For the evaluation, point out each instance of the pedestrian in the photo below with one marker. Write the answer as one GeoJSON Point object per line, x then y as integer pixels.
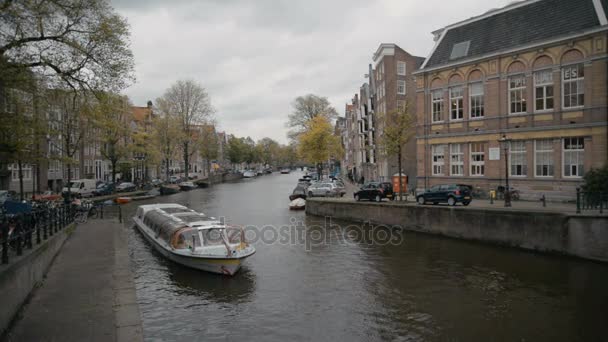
{"type": "Point", "coordinates": [362, 179]}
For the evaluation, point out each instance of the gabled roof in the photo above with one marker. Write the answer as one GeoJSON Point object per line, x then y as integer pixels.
{"type": "Point", "coordinates": [516, 25]}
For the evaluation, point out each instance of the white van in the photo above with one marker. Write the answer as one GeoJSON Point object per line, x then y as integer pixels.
{"type": "Point", "coordinates": [81, 187]}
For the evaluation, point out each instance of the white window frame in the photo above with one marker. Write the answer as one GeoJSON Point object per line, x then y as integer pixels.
{"type": "Point", "coordinates": [401, 87]}
{"type": "Point", "coordinates": [459, 103]}
{"type": "Point", "coordinates": [544, 84]}
{"type": "Point", "coordinates": [549, 152]}
{"type": "Point", "coordinates": [521, 90]}
{"type": "Point", "coordinates": [457, 150]}
{"type": "Point", "coordinates": [401, 66]}
{"type": "Point", "coordinates": [438, 157]}
{"type": "Point", "coordinates": [476, 100]}
{"type": "Point", "coordinates": [437, 101]}
{"type": "Point", "coordinates": [579, 152]}
{"type": "Point", "coordinates": [519, 153]}
{"type": "Point", "coordinates": [580, 85]}
{"type": "Point", "coordinates": [477, 165]}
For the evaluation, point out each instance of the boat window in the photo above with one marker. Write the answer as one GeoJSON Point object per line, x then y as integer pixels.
{"type": "Point", "coordinates": [185, 238]}
{"type": "Point", "coordinates": [175, 210]}
{"type": "Point", "coordinates": [212, 237]}
{"type": "Point", "coordinates": [234, 235]}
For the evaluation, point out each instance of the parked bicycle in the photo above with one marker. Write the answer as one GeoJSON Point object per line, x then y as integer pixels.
{"type": "Point", "coordinates": [84, 210]}
{"type": "Point", "coordinates": [500, 191]}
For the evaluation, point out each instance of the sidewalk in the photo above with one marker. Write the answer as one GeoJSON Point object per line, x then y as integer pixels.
{"type": "Point", "coordinates": [88, 293]}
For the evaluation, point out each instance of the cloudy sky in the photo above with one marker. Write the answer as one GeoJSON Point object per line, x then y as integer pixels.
{"type": "Point", "coordinates": [255, 57]}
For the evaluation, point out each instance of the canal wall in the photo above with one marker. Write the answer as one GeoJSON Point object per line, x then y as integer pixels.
{"type": "Point", "coordinates": [24, 273]}
{"type": "Point", "coordinates": [584, 236]}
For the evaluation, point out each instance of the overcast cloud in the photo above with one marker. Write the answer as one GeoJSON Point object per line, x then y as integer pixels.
{"type": "Point", "coordinates": [255, 57]}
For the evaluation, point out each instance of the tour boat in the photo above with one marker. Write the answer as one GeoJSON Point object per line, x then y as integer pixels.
{"type": "Point", "coordinates": [297, 204]}
{"type": "Point", "coordinates": [192, 239]}
{"type": "Point", "coordinates": [285, 171]}
{"type": "Point", "coordinates": [185, 186]}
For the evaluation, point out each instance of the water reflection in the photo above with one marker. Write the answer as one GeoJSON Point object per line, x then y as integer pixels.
{"type": "Point", "coordinates": [213, 287]}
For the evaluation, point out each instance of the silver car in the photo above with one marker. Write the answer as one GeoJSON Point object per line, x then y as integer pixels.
{"type": "Point", "coordinates": [323, 189]}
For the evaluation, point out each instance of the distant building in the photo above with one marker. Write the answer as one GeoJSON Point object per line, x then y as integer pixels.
{"type": "Point", "coordinates": [533, 73]}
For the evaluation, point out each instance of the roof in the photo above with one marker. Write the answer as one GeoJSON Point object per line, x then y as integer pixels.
{"type": "Point", "coordinates": [518, 24]}
{"type": "Point", "coordinates": [420, 60]}
{"type": "Point", "coordinates": [141, 113]}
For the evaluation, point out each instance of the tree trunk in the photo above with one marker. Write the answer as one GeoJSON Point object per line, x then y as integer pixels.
{"type": "Point", "coordinates": [113, 170]}
{"type": "Point", "coordinates": [20, 166]}
{"type": "Point", "coordinates": [399, 173]}
{"type": "Point", "coordinates": [167, 170]}
{"type": "Point", "coordinates": [186, 160]}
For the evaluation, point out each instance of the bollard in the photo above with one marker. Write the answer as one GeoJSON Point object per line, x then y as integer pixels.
{"type": "Point", "coordinates": [37, 225]}
{"type": "Point", "coordinates": [578, 200]}
{"type": "Point", "coordinates": [28, 234]}
{"type": "Point", "coordinates": [101, 209]}
{"type": "Point", "coordinates": [19, 231]}
{"type": "Point", "coordinates": [5, 242]}
{"type": "Point", "coordinates": [544, 200]}
{"type": "Point", "coordinates": [45, 224]}
{"type": "Point", "coordinates": [119, 214]}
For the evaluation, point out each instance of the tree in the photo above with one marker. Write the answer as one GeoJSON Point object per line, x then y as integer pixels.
{"type": "Point", "coordinates": [165, 135]}
{"type": "Point", "coordinates": [112, 115]}
{"type": "Point", "coordinates": [398, 128]}
{"type": "Point", "coordinates": [236, 150]}
{"type": "Point", "coordinates": [306, 108]}
{"type": "Point", "coordinates": [83, 44]}
{"type": "Point", "coordinates": [268, 151]}
{"type": "Point", "coordinates": [318, 143]}
{"type": "Point", "coordinates": [189, 102]}
{"type": "Point", "coordinates": [208, 145]}
{"type": "Point", "coordinates": [74, 113]}
{"type": "Point", "coordinates": [596, 181]}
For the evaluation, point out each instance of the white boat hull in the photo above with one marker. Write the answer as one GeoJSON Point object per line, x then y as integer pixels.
{"type": "Point", "coordinates": [226, 266]}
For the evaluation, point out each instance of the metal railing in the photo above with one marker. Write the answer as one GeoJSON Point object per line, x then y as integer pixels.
{"type": "Point", "coordinates": [25, 230]}
{"type": "Point", "coordinates": [587, 200]}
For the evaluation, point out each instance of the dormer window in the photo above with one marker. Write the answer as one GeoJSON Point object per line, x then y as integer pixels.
{"type": "Point", "coordinates": [460, 50]}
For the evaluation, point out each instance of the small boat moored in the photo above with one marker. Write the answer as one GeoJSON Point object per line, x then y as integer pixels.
{"type": "Point", "coordinates": [192, 239]}
{"type": "Point", "coordinates": [186, 186]}
{"type": "Point", "coordinates": [285, 171]}
{"type": "Point", "coordinates": [169, 189]}
{"type": "Point", "coordinates": [249, 174]}
{"type": "Point", "coordinates": [123, 200]}
{"type": "Point", "coordinates": [297, 204]}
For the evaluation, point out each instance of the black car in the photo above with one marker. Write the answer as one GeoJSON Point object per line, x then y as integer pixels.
{"type": "Point", "coordinates": [104, 189]}
{"type": "Point", "coordinates": [446, 193]}
{"type": "Point", "coordinates": [375, 191]}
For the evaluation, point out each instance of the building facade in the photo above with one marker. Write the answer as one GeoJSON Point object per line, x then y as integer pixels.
{"type": "Point", "coordinates": [519, 90]}
{"type": "Point", "coordinates": [395, 87]}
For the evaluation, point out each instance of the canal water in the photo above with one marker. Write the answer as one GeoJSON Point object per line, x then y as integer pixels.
{"type": "Point", "coordinates": [326, 287]}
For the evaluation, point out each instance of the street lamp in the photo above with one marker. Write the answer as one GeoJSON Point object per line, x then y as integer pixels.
{"type": "Point", "coordinates": [507, 193]}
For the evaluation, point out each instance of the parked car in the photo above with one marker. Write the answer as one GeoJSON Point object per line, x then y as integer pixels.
{"type": "Point", "coordinates": [341, 188]}
{"type": "Point", "coordinates": [375, 191]}
{"type": "Point", "coordinates": [173, 179]}
{"type": "Point", "coordinates": [156, 182]}
{"type": "Point", "coordinates": [323, 189]}
{"type": "Point", "coordinates": [126, 187]}
{"type": "Point", "coordinates": [80, 187]}
{"type": "Point", "coordinates": [104, 189]}
{"type": "Point", "coordinates": [446, 193]}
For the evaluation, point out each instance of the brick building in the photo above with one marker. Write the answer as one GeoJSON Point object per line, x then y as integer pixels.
{"type": "Point", "coordinates": [394, 87]}
{"type": "Point", "coordinates": [532, 74]}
